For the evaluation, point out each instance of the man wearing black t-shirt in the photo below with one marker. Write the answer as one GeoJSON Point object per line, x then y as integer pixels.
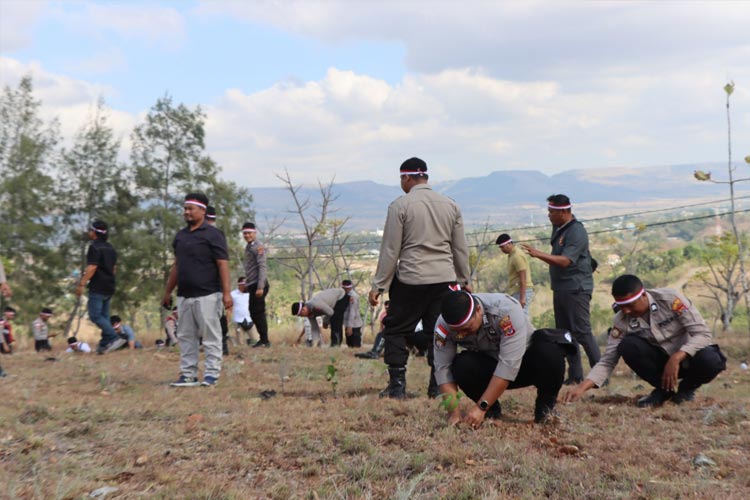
{"type": "Point", "coordinates": [101, 261]}
{"type": "Point", "coordinates": [201, 274]}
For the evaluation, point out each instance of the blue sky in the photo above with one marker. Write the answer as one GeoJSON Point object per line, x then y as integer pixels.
{"type": "Point", "coordinates": [351, 89]}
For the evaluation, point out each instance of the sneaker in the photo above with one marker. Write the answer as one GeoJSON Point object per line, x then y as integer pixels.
{"type": "Point", "coordinates": [683, 397]}
{"type": "Point", "coordinates": [116, 344]}
{"type": "Point", "coordinates": [656, 398]}
{"type": "Point", "coordinates": [209, 381]}
{"type": "Point", "coordinates": [260, 343]}
{"type": "Point", "coordinates": [184, 381]}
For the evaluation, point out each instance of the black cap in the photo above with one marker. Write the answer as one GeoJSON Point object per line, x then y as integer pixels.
{"type": "Point", "coordinates": [503, 238]}
{"type": "Point", "coordinates": [46, 310]}
{"type": "Point", "coordinates": [456, 306]}
{"type": "Point", "coordinates": [248, 225]}
{"type": "Point", "coordinates": [346, 283]}
{"type": "Point", "coordinates": [296, 308]}
{"type": "Point", "coordinates": [210, 212]}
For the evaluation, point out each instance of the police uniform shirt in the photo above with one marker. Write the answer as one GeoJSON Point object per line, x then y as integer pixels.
{"type": "Point", "coordinates": [196, 253]}
{"type": "Point", "coordinates": [352, 315]}
{"type": "Point", "coordinates": [504, 335]}
{"type": "Point", "coordinates": [255, 264]}
{"type": "Point", "coordinates": [423, 239]}
{"type": "Point", "coordinates": [673, 324]}
{"type": "Point", "coordinates": [102, 255]}
{"type": "Point", "coordinates": [3, 279]}
{"type": "Point", "coordinates": [323, 302]}
{"type": "Point", "coordinates": [40, 329]}
{"type": "Point", "coordinates": [571, 241]}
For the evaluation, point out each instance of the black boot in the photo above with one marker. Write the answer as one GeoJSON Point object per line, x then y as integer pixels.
{"type": "Point", "coordinates": [396, 385]}
{"type": "Point", "coordinates": [657, 398]}
{"type": "Point", "coordinates": [684, 394]}
{"type": "Point", "coordinates": [544, 406]}
{"type": "Point", "coordinates": [433, 390]}
{"type": "Point", "coordinates": [368, 355]}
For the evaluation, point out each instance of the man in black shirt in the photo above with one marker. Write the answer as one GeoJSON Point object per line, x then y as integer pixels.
{"type": "Point", "coordinates": [201, 274]}
{"type": "Point", "coordinates": [101, 261]}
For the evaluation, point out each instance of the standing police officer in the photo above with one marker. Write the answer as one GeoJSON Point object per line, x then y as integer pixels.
{"type": "Point", "coordinates": [663, 338]}
{"type": "Point", "coordinates": [256, 283]}
{"type": "Point", "coordinates": [423, 253]}
{"type": "Point", "coordinates": [501, 351]}
{"type": "Point", "coordinates": [572, 280]}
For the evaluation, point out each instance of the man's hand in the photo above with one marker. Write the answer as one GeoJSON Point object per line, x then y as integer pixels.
{"type": "Point", "coordinates": [575, 393]}
{"type": "Point", "coordinates": [349, 331]}
{"type": "Point", "coordinates": [259, 292]}
{"type": "Point", "coordinates": [530, 250]}
{"type": "Point", "coordinates": [522, 300]}
{"type": "Point", "coordinates": [454, 417]}
{"type": "Point", "coordinates": [474, 418]}
{"type": "Point", "coordinates": [671, 370]}
{"type": "Point", "coordinates": [372, 297]}
{"type": "Point", "coordinates": [166, 301]}
{"type": "Point", "coordinates": [468, 288]}
{"type": "Point", "coordinates": [226, 299]}
{"type": "Point", "coordinates": [5, 289]}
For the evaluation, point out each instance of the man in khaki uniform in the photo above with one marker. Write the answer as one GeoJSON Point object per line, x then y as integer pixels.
{"type": "Point", "coordinates": [663, 338]}
{"type": "Point", "coordinates": [422, 255]}
{"type": "Point", "coordinates": [330, 303]}
{"type": "Point", "coordinates": [520, 286]}
{"type": "Point", "coordinates": [256, 282]}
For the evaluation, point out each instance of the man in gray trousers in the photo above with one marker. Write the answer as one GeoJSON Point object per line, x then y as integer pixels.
{"type": "Point", "coordinates": [201, 274]}
{"type": "Point", "coordinates": [330, 303]}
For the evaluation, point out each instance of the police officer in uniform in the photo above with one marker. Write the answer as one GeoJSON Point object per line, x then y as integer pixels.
{"type": "Point", "coordinates": [330, 303]}
{"type": "Point", "coordinates": [501, 351]}
{"type": "Point", "coordinates": [663, 338]}
{"type": "Point", "coordinates": [571, 277]}
{"type": "Point", "coordinates": [423, 253]}
{"type": "Point", "coordinates": [256, 282]}
{"type": "Point", "coordinates": [352, 316]}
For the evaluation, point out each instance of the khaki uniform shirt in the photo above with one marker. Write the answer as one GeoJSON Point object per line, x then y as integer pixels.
{"type": "Point", "coordinates": [423, 240]}
{"type": "Point", "coordinates": [517, 262]}
{"type": "Point", "coordinates": [40, 329]}
{"type": "Point", "coordinates": [504, 335]}
{"type": "Point", "coordinates": [673, 323]}
{"type": "Point", "coordinates": [3, 279]}
{"type": "Point", "coordinates": [255, 264]}
{"type": "Point", "coordinates": [323, 302]}
{"type": "Point", "coordinates": [352, 315]}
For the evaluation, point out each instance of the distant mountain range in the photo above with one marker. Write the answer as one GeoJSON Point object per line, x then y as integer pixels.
{"type": "Point", "coordinates": [518, 196]}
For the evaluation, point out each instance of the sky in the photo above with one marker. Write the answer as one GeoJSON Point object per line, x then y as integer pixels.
{"type": "Point", "coordinates": [347, 90]}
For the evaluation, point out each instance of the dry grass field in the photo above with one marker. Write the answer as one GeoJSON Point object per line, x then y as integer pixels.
{"type": "Point", "coordinates": [84, 422]}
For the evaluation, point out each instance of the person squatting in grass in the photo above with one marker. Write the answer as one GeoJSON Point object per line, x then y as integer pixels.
{"type": "Point", "coordinates": [201, 274]}
{"type": "Point", "coordinates": [663, 338]}
{"type": "Point", "coordinates": [423, 254]}
{"type": "Point", "coordinates": [101, 265]}
{"type": "Point", "coordinates": [501, 351]}
{"type": "Point", "coordinates": [40, 330]}
{"type": "Point", "coordinates": [330, 303]}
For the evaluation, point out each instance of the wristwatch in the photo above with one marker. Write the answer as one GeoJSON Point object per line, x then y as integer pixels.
{"type": "Point", "coordinates": [484, 405]}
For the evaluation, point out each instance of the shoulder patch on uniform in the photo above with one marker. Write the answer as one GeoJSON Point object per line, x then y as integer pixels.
{"type": "Point", "coordinates": [506, 325]}
{"type": "Point", "coordinates": [261, 250]}
{"type": "Point", "coordinates": [441, 336]}
{"type": "Point", "coordinates": [615, 333]}
{"type": "Point", "coordinates": [654, 307]}
{"type": "Point", "coordinates": [561, 241]}
{"type": "Point", "coordinates": [679, 306]}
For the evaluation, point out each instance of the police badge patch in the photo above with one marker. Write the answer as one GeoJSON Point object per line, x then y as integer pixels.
{"type": "Point", "coordinates": [441, 336]}
{"type": "Point", "coordinates": [261, 250]}
{"type": "Point", "coordinates": [506, 326]}
{"type": "Point", "coordinates": [615, 333]}
{"type": "Point", "coordinates": [678, 306]}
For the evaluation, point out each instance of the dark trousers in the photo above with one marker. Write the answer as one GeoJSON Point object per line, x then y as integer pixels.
{"type": "Point", "coordinates": [337, 320]}
{"type": "Point", "coordinates": [42, 345]}
{"type": "Point", "coordinates": [543, 366]}
{"type": "Point", "coordinates": [648, 361]}
{"type": "Point", "coordinates": [355, 339]}
{"type": "Point", "coordinates": [572, 314]}
{"type": "Point", "coordinates": [257, 307]}
{"type": "Point", "coordinates": [409, 305]}
{"type": "Point", "coordinates": [224, 334]}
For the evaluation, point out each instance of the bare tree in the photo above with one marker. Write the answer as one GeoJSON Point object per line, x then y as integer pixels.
{"type": "Point", "coordinates": [315, 226]}
{"type": "Point", "coordinates": [738, 241]}
{"type": "Point", "coordinates": [482, 241]}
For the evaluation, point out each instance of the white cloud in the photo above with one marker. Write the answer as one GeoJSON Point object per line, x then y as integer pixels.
{"type": "Point", "coordinates": [17, 18]}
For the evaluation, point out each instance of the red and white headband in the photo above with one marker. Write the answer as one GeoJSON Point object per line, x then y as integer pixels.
{"type": "Point", "coordinates": [116, 325]}
{"type": "Point", "coordinates": [468, 316]}
{"type": "Point", "coordinates": [301, 305]}
{"type": "Point", "coordinates": [412, 172]}
{"type": "Point", "coordinates": [197, 203]}
{"type": "Point", "coordinates": [100, 231]}
{"type": "Point", "coordinates": [505, 243]}
{"type": "Point", "coordinates": [559, 207]}
{"type": "Point", "coordinates": [249, 230]}
{"type": "Point", "coordinates": [630, 298]}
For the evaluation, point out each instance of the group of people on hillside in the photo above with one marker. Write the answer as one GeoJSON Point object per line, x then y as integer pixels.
{"type": "Point", "coordinates": [424, 267]}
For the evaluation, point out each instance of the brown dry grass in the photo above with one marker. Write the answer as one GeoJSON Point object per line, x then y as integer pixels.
{"type": "Point", "coordinates": [83, 422]}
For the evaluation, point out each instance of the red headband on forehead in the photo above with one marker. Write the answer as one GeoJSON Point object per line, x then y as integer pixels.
{"type": "Point", "coordinates": [630, 298]}
{"type": "Point", "coordinates": [467, 317]}
{"type": "Point", "coordinates": [412, 172]}
{"type": "Point", "coordinates": [505, 243]}
{"type": "Point", "coordinates": [559, 207]}
{"type": "Point", "coordinates": [197, 203]}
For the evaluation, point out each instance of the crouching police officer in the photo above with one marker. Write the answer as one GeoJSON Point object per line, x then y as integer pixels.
{"type": "Point", "coordinates": [663, 338]}
{"type": "Point", "coordinates": [501, 351]}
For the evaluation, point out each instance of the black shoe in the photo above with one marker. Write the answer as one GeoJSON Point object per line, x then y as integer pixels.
{"type": "Point", "coordinates": [2, 373]}
{"type": "Point", "coordinates": [656, 398]}
{"type": "Point", "coordinates": [544, 406]}
{"type": "Point", "coordinates": [433, 390]}
{"type": "Point", "coordinates": [260, 343]}
{"type": "Point", "coordinates": [683, 396]}
{"type": "Point", "coordinates": [367, 355]}
{"type": "Point", "coordinates": [396, 385]}
{"type": "Point", "coordinates": [572, 381]}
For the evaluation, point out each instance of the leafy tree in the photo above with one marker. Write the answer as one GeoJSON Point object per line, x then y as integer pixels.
{"type": "Point", "coordinates": [28, 234]}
